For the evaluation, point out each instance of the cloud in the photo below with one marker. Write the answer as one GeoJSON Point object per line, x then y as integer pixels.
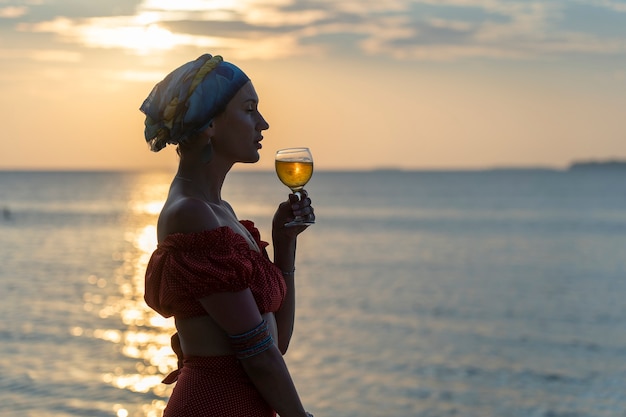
{"type": "Point", "coordinates": [403, 29]}
{"type": "Point", "coordinates": [126, 32]}
{"type": "Point", "coordinates": [506, 30]}
{"type": "Point", "coordinates": [13, 12]}
{"type": "Point", "coordinates": [616, 6]}
{"type": "Point", "coordinates": [132, 33]}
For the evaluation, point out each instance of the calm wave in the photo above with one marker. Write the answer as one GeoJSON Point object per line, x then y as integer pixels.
{"type": "Point", "coordinates": [420, 293]}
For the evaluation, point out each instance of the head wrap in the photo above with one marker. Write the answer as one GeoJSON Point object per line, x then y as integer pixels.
{"type": "Point", "coordinates": [188, 99]}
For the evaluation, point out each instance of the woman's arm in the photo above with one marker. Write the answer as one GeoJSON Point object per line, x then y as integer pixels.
{"type": "Point", "coordinates": [284, 240]}
{"type": "Point", "coordinates": [284, 259]}
{"type": "Point", "coordinates": [271, 377]}
{"type": "Point", "coordinates": [237, 313]}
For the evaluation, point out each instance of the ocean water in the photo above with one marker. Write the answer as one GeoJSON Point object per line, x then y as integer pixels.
{"type": "Point", "coordinates": [430, 294]}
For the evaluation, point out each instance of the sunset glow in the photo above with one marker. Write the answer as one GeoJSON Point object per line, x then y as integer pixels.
{"type": "Point", "coordinates": [453, 84]}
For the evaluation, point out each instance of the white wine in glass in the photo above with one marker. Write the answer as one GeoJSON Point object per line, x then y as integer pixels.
{"type": "Point", "coordinates": [294, 167]}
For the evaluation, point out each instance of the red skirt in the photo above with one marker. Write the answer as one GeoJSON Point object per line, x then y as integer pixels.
{"type": "Point", "coordinates": [215, 386]}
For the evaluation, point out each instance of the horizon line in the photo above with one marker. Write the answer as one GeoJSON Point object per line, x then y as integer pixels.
{"type": "Point", "coordinates": [270, 170]}
{"type": "Point", "coordinates": [249, 168]}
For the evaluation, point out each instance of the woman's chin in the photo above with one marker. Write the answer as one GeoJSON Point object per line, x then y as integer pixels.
{"type": "Point", "coordinates": [252, 159]}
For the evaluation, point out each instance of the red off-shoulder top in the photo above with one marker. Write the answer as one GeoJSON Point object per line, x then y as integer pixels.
{"type": "Point", "coordinates": [187, 267]}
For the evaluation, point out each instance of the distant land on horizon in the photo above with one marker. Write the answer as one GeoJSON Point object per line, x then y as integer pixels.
{"type": "Point", "coordinates": [610, 164]}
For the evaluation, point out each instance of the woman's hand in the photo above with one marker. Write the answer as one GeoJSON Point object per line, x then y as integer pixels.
{"type": "Point", "coordinates": [288, 210]}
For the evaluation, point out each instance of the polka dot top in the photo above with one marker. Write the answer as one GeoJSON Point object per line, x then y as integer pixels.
{"type": "Point", "coordinates": [188, 266]}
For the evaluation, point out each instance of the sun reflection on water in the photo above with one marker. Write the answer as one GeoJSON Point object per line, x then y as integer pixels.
{"type": "Point", "coordinates": [147, 335]}
{"type": "Point", "coordinates": [142, 335]}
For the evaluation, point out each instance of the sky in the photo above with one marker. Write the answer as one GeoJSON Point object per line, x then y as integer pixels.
{"type": "Point", "coordinates": [366, 84]}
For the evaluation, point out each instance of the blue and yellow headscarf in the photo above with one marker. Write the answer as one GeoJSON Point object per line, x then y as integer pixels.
{"type": "Point", "coordinates": [188, 99]}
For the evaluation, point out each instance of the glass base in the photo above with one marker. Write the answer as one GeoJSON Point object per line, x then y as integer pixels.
{"type": "Point", "coordinates": [299, 223]}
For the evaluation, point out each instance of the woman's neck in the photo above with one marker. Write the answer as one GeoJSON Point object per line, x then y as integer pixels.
{"type": "Point", "coordinates": [206, 179]}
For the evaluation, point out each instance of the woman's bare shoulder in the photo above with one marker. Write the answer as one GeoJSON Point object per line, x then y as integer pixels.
{"type": "Point", "coordinates": [186, 215]}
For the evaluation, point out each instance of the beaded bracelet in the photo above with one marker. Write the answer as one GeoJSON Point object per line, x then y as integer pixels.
{"type": "Point", "coordinates": [252, 342]}
{"type": "Point", "coordinates": [289, 273]}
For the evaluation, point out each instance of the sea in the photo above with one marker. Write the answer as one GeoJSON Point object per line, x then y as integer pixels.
{"type": "Point", "coordinates": [490, 293]}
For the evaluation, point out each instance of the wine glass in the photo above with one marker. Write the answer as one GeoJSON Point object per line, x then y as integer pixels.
{"type": "Point", "coordinates": [294, 167]}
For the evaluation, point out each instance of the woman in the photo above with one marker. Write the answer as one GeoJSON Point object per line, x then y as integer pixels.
{"type": "Point", "coordinates": [233, 307]}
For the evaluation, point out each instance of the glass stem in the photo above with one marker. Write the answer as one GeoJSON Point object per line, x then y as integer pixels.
{"type": "Point", "coordinates": [297, 219]}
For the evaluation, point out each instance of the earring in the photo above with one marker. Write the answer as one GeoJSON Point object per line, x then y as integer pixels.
{"type": "Point", "coordinates": [207, 153]}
